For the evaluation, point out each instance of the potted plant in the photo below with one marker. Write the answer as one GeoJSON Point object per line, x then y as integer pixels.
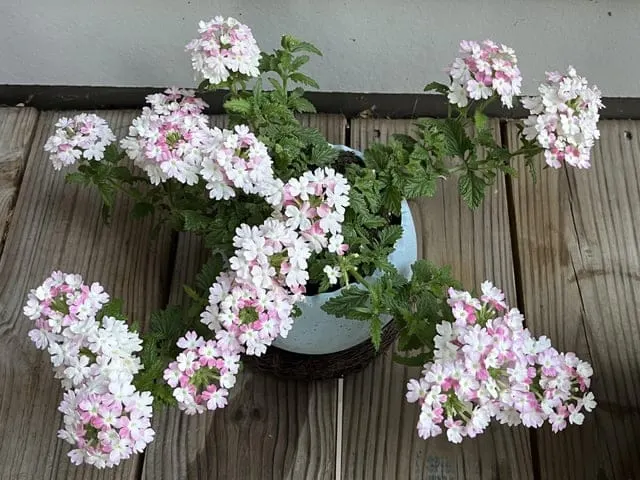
{"type": "Point", "coordinates": [287, 216]}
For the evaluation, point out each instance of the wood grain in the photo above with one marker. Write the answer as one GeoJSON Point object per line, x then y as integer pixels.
{"type": "Point", "coordinates": [272, 428]}
{"type": "Point", "coordinates": [58, 226]}
{"type": "Point", "coordinates": [380, 439]}
{"type": "Point", "coordinates": [17, 126]}
{"type": "Point", "coordinates": [580, 256]}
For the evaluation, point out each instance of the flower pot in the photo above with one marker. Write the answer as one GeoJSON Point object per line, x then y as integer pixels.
{"type": "Point", "coordinates": [316, 332]}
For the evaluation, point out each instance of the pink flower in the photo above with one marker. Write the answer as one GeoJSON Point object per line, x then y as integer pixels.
{"type": "Point", "coordinates": [486, 365]}
{"type": "Point", "coordinates": [224, 48]}
{"type": "Point", "coordinates": [564, 119]}
{"type": "Point", "coordinates": [83, 136]}
{"type": "Point", "coordinates": [205, 387]}
{"type": "Point", "coordinates": [484, 70]}
{"type": "Point", "coordinates": [169, 138]}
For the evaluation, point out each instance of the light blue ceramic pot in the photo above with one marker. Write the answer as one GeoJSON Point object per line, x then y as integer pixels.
{"type": "Point", "coordinates": [316, 332]}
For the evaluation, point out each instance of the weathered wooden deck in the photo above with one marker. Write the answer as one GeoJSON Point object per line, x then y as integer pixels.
{"type": "Point", "coordinates": [566, 250]}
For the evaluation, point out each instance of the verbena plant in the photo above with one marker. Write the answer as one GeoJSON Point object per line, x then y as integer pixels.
{"type": "Point", "coordinates": [284, 214]}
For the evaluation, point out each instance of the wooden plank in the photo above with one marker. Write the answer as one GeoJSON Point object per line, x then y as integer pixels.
{"type": "Point", "coordinates": [17, 126]}
{"type": "Point", "coordinates": [58, 226]}
{"type": "Point", "coordinates": [580, 257]}
{"type": "Point", "coordinates": [272, 428]}
{"type": "Point", "coordinates": [380, 438]}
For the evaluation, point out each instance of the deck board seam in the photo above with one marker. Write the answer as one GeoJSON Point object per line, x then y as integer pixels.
{"type": "Point", "coordinates": [18, 184]}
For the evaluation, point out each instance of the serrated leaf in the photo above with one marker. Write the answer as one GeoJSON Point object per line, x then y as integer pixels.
{"type": "Point", "coordinates": [375, 330]}
{"type": "Point", "coordinates": [294, 45]}
{"type": "Point", "coordinates": [372, 221]}
{"type": "Point", "coordinates": [471, 189]}
{"type": "Point", "coordinates": [123, 174]}
{"type": "Point", "coordinates": [392, 199]}
{"type": "Point", "coordinates": [191, 293]}
{"type": "Point", "coordinates": [113, 308]}
{"type": "Point", "coordinates": [437, 87]}
{"type": "Point", "coordinates": [301, 105]}
{"type": "Point", "coordinates": [389, 235]}
{"type": "Point", "coordinates": [299, 62]}
{"type": "Point", "coordinates": [350, 298]}
{"type": "Point", "coordinates": [407, 141]}
{"type": "Point", "coordinates": [240, 106]}
{"type": "Point", "coordinates": [209, 272]}
{"type": "Point", "coordinates": [195, 221]}
{"type": "Point", "coordinates": [357, 202]}
{"type": "Point", "coordinates": [299, 77]}
{"type": "Point", "coordinates": [77, 177]}
{"type": "Point", "coordinates": [420, 186]}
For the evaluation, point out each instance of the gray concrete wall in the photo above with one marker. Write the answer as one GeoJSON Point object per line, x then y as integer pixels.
{"type": "Point", "coordinates": [369, 45]}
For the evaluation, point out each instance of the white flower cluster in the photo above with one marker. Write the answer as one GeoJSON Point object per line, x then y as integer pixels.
{"type": "Point", "coordinates": [484, 69]}
{"type": "Point", "coordinates": [167, 140]}
{"type": "Point", "coordinates": [564, 119]}
{"type": "Point", "coordinates": [224, 47]}
{"type": "Point", "coordinates": [236, 158]}
{"type": "Point", "coordinates": [105, 418]}
{"type": "Point", "coordinates": [85, 135]}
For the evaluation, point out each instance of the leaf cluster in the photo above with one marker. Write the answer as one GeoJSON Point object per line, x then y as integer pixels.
{"type": "Point", "coordinates": [416, 305]}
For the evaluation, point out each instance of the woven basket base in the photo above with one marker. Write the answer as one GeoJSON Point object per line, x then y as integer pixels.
{"type": "Point", "coordinates": [298, 366]}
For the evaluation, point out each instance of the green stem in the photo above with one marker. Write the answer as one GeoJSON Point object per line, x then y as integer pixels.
{"type": "Point", "coordinates": [360, 279]}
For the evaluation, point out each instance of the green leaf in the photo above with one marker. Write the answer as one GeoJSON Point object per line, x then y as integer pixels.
{"type": "Point", "coordinates": [191, 293]}
{"type": "Point", "coordinates": [392, 199]}
{"type": "Point", "coordinates": [389, 235]}
{"type": "Point", "coordinates": [372, 221]}
{"type": "Point", "coordinates": [209, 272]}
{"type": "Point", "coordinates": [437, 87]}
{"type": "Point", "coordinates": [349, 299]}
{"type": "Point", "coordinates": [123, 174]}
{"type": "Point", "coordinates": [375, 329]}
{"type": "Point", "coordinates": [407, 141]}
{"type": "Point", "coordinates": [301, 105]}
{"type": "Point", "coordinates": [457, 142]}
{"type": "Point", "coordinates": [240, 106]}
{"type": "Point", "coordinates": [531, 164]}
{"type": "Point", "coordinates": [113, 308]}
{"type": "Point", "coordinates": [142, 209]}
{"type": "Point", "coordinates": [299, 62]}
{"type": "Point", "coordinates": [195, 221]}
{"type": "Point", "coordinates": [420, 186]}
{"type": "Point", "coordinates": [299, 77]}
{"type": "Point", "coordinates": [294, 45]}
{"type": "Point", "coordinates": [471, 189]}
{"type": "Point", "coordinates": [77, 177]}
{"type": "Point", "coordinates": [480, 120]}
{"type": "Point", "coordinates": [111, 153]}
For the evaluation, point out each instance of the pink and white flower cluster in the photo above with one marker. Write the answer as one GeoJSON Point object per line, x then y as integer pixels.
{"type": "Point", "coordinates": [172, 140]}
{"type": "Point", "coordinates": [486, 365]}
{"type": "Point", "coordinates": [254, 301]}
{"type": "Point", "coordinates": [564, 119]}
{"type": "Point", "coordinates": [203, 372]}
{"type": "Point", "coordinates": [105, 418]}
{"type": "Point", "coordinates": [224, 47]}
{"type": "Point", "coordinates": [314, 204]}
{"type": "Point", "coordinates": [483, 70]}
{"type": "Point", "coordinates": [84, 135]}
{"type": "Point", "coordinates": [237, 159]}
{"type": "Point", "coordinates": [168, 138]}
